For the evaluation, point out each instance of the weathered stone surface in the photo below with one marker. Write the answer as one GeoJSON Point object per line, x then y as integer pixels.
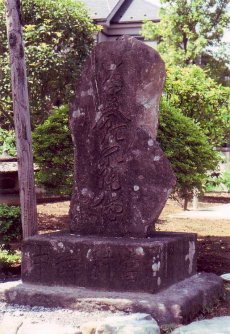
{"type": "Point", "coordinates": [13, 325]}
{"type": "Point", "coordinates": [138, 323]}
{"type": "Point", "coordinates": [219, 325]}
{"type": "Point", "coordinates": [122, 178]}
{"type": "Point", "coordinates": [29, 328]}
{"type": "Point", "coordinates": [179, 303]}
{"type": "Point", "coordinates": [132, 264]}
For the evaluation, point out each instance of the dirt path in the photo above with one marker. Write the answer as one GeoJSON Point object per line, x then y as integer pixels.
{"type": "Point", "coordinates": [216, 212]}
{"type": "Point", "coordinates": [53, 216]}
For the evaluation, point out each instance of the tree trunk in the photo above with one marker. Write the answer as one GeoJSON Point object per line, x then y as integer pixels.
{"type": "Point", "coordinates": [195, 199]}
{"type": "Point", "coordinates": [21, 118]}
{"type": "Point", "coordinates": [185, 206]}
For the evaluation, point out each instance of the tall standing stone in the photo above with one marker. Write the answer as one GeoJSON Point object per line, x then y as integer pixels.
{"type": "Point", "coordinates": [122, 178]}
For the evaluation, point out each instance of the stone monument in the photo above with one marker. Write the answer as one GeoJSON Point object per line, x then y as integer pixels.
{"type": "Point", "coordinates": [122, 178]}
{"type": "Point", "coordinates": [122, 181]}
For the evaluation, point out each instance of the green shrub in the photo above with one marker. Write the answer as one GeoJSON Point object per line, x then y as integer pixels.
{"type": "Point", "coordinates": [187, 148]}
{"type": "Point", "coordinates": [53, 152]}
{"type": "Point", "coordinates": [214, 183]}
{"type": "Point", "coordinates": [218, 183]}
{"type": "Point", "coordinates": [8, 259]}
{"type": "Point", "coordinates": [58, 36]}
{"type": "Point", "coordinates": [10, 225]}
{"type": "Point", "coordinates": [7, 142]}
{"type": "Point", "coordinates": [199, 97]}
{"type": "Point", "coordinates": [226, 180]}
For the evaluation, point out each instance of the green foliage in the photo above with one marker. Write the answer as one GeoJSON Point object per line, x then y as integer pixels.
{"type": "Point", "coordinates": [53, 152]}
{"type": "Point", "coordinates": [10, 225]}
{"type": "Point", "coordinates": [195, 108]}
{"type": "Point", "coordinates": [201, 98]}
{"type": "Point", "coordinates": [214, 183]}
{"type": "Point", "coordinates": [6, 113]}
{"type": "Point", "coordinates": [187, 148]}
{"type": "Point", "coordinates": [217, 67]}
{"type": "Point", "coordinates": [218, 182]}
{"type": "Point", "coordinates": [58, 35]}
{"type": "Point", "coordinates": [189, 29]}
{"type": "Point", "coordinates": [8, 258]}
{"type": "Point", "coordinates": [226, 180]}
{"type": "Point", "coordinates": [7, 142]}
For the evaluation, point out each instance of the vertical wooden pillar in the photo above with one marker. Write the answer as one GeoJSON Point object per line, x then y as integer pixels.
{"type": "Point", "coordinates": [21, 118]}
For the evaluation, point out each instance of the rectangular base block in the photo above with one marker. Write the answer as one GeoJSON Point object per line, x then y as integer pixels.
{"type": "Point", "coordinates": [120, 264]}
{"type": "Point", "coordinates": [179, 303]}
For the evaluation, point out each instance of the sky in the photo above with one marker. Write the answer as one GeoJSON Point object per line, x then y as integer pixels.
{"type": "Point", "coordinates": [155, 2]}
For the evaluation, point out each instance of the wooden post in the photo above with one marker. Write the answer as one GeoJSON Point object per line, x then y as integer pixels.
{"type": "Point", "coordinates": [21, 118]}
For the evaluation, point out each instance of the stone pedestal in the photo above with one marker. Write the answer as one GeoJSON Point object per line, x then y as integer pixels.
{"type": "Point", "coordinates": [179, 303]}
{"type": "Point", "coordinates": [120, 264]}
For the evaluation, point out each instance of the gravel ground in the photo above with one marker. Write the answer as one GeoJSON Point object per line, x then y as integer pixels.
{"type": "Point", "coordinates": [57, 316]}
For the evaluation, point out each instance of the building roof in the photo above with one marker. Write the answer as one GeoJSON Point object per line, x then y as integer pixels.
{"type": "Point", "coordinates": [136, 11]}
{"type": "Point", "coordinates": [122, 11]}
{"type": "Point", "coordinates": [9, 164]}
{"type": "Point", "coordinates": [100, 9]}
{"type": "Point", "coordinates": [12, 166]}
{"type": "Point", "coordinates": [8, 167]}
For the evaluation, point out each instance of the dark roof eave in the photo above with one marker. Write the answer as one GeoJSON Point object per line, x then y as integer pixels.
{"type": "Point", "coordinates": [135, 22]}
{"type": "Point", "coordinates": [99, 20]}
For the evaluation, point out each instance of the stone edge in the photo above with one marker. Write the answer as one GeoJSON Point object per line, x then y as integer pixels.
{"type": "Point", "coordinates": [178, 304]}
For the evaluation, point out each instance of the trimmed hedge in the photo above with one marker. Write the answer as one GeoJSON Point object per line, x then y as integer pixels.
{"type": "Point", "coordinates": [10, 225]}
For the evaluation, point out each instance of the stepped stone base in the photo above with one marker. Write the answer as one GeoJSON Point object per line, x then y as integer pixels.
{"type": "Point", "coordinates": [119, 264]}
{"type": "Point", "coordinates": [178, 304]}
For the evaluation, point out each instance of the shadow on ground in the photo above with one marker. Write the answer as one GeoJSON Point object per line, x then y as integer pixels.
{"type": "Point", "coordinates": [214, 254]}
{"type": "Point", "coordinates": [50, 222]}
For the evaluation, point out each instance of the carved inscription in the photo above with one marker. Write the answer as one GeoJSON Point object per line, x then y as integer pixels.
{"type": "Point", "coordinates": [111, 131]}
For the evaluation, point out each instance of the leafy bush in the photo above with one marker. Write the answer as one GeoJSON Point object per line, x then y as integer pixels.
{"type": "Point", "coordinates": [200, 98]}
{"type": "Point", "coordinates": [58, 36]}
{"type": "Point", "coordinates": [7, 142]}
{"type": "Point", "coordinates": [214, 183]}
{"type": "Point", "coordinates": [187, 148]}
{"type": "Point", "coordinates": [226, 180]}
{"type": "Point", "coordinates": [7, 259]}
{"type": "Point", "coordinates": [53, 152]}
{"type": "Point", "coordinates": [9, 263]}
{"type": "Point", "coordinates": [218, 182]}
{"type": "Point", "coordinates": [10, 225]}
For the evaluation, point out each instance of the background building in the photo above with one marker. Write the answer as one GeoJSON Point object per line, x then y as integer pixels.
{"type": "Point", "coordinates": [121, 17]}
